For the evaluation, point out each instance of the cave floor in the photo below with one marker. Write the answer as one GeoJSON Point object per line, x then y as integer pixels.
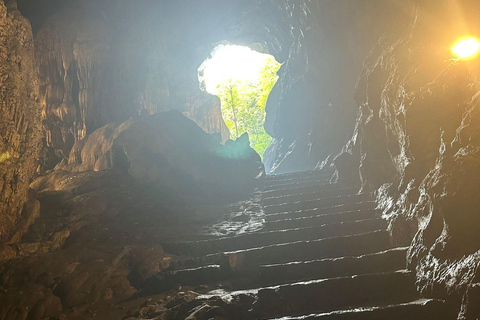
{"type": "Point", "coordinates": [299, 248]}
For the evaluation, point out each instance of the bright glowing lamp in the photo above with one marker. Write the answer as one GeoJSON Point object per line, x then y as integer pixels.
{"type": "Point", "coordinates": [466, 48]}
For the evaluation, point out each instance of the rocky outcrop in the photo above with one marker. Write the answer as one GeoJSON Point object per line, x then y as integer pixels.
{"type": "Point", "coordinates": [19, 122]}
{"type": "Point", "coordinates": [86, 246]}
{"type": "Point", "coordinates": [169, 153]}
{"type": "Point", "coordinates": [208, 115]}
{"type": "Point", "coordinates": [310, 112]}
{"type": "Point", "coordinates": [416, 144]}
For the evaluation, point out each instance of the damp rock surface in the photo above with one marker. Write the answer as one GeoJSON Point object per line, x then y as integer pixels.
{"type": "Point", "coordinates": [20, 128]}
{"type": "Point", "coordinates": [416, 144]}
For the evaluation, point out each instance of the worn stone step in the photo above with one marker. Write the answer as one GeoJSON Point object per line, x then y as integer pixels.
{"type": "Point", "coordinates": [241, 260]}
{"type": "Point", "coordinates": [295, 179]}
{"type": "Point", "coordinates": [306, 196]}
{"type": "Point", "coordinates": [316, 203]}
{"type": "Point", "coordinates": [384, 261]}
{"type": "Point", "coordinates": [187, 277]}
{"type": "Point", "coordinates": [289, 184]}
{"type": "Point", "coordinates": [301, 222]}
{"type": "Point", "coordinates": [285, 191]}
{"type": "Point", "coordinates": [310, 250]}
{"type": "Point", "coordinates": [299, 175]}
{"type": "Point", "coordinates": [252, 240]}
{"type": "Point", "coordinates": [326, 295]}
{"type": "Point", "coordinates": [421, 309]}
{"type": "Point", "coordinates": [365, 205]}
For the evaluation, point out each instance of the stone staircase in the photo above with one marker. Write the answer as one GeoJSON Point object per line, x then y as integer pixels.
{"type": "Point", "coordinates": [321, 252]}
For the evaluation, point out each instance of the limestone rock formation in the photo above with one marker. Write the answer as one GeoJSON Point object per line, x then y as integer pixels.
{"type": "Point", "coordinates": [169, 153]}
{"type": "Point", "coordinates": [416, 144]}
{"type": "Point", "coordinates": [310, 112]}
{"type": "Point", "coordinates": [20, 133]}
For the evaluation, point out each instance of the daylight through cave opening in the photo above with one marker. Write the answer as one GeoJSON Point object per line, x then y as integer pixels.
{"type": "Point", "coordinates": [242, 78]}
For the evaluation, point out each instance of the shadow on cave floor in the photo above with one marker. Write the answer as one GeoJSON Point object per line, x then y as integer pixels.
{"type": "Point", "coordinates": [296, 247]}
{"type": "Point", "coordinates": [98, 240]}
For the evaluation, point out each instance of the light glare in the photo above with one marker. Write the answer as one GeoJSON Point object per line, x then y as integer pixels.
{"type": "Point", "coordinates": [467, 48]}
{"type": "Point", "coordinates": [232, 62]}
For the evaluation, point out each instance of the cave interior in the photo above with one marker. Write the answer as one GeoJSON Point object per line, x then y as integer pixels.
{"type": "Point", "coordinates": [122, 195]}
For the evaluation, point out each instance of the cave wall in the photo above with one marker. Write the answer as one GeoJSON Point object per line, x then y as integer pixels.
{"type": "Point", "coordinates": [311, 111]}
{"type": "Point", "coordinates": [416, 144]}
{"type": "Point", "coordinates": [20, 129]}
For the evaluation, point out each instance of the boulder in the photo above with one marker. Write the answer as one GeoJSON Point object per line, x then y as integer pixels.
{"type": "Point", "coordinates": [169, 153]}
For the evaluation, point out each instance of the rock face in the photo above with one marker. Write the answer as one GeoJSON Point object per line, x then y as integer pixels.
{"type": "Point", "coordinates": [310, 112]}
{"type": "Point", "coordinates": [95, 240]}
{"type": "Point", "coordinates": [19, 120]}
{"type": "Point", "coordinates": [169, 153]}
{"type": "Point", "coordinates": [416, 143]}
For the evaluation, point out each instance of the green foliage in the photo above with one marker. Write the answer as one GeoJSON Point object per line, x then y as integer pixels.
{"type": "Point", "coordinates": [243, 105]}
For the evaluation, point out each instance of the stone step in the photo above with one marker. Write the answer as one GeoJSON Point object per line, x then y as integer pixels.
{"type": "Point", "coordinates": [385, 261]}
{"type": "Point", "coordinates": [252, 240]}
{"type": "Point", "coordinates": [322, 219]}
{"type": "Point", "coordinates": [285, 191]}
{"type": "Point", "coordinates": [421, 309]}
{"type": "Point", "coordinates": [167, 280]}
{"type": "Point", "coordinates": [316, 203]}
{"type": "Point", "coordinates": [289, 184]}
{"type": "Point", "coordinates": [277, 274]}
{"type": "Point", "coordinates": [295, 179]}
{"type": "Point", "coordinates": [248, 259]}
{"type": "Point", "coordinates": [326, 295]}
{"type": "Point", "coordinates": [299, 175]}
{"type": "Point", "coordinates": [305, 196]}
{"type": "Point", "coordinates": [323, 253]}
{"type": "Point", "coordinates": [366, 205]}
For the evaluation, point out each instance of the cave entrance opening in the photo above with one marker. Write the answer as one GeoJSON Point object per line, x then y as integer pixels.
{"type": "Point", "coordinates": [242, 78]}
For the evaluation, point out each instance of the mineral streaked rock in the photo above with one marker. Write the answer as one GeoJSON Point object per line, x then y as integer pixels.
{"type": "Point", "coordinates": [19, 119]}
{"type": "Point", "coordinates": [416, 143]}
{"type": "Point", "coordinates": [71, 55]}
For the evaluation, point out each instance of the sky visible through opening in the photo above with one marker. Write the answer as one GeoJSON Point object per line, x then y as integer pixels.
{"type": "Point", "coordinates": [233, 62]}
{"type": "Point", "coordinates": [242, 78]}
